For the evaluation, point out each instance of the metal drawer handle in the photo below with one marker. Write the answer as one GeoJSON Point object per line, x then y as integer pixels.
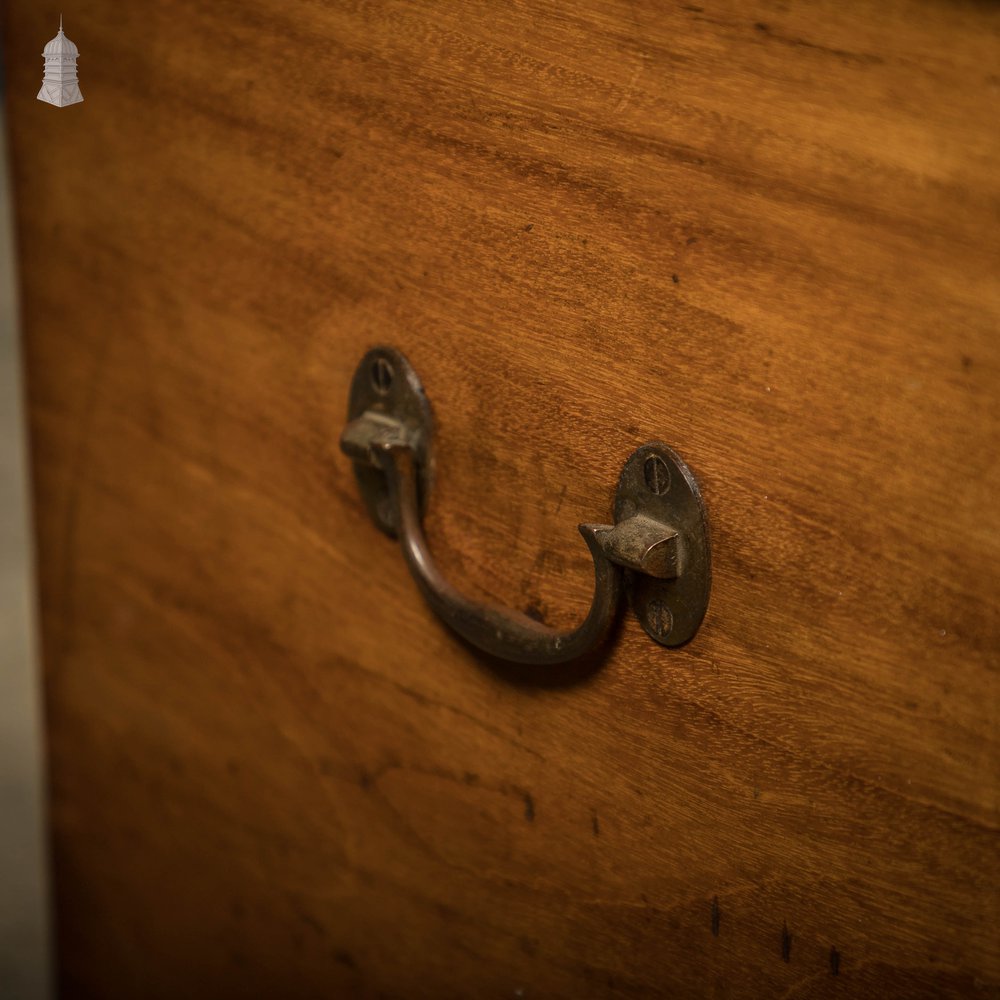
{"type": "Point", "coordinates": [658, 545]}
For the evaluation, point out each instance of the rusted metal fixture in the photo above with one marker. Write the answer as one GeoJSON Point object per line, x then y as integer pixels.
{"type": "Point", "coordinates": [657, 550]}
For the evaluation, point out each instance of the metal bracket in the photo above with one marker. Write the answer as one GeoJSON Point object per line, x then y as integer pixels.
{"type": "Point", "coordinates": [387, 403]}
{"type": "Point", "coordinates": [657, 485]}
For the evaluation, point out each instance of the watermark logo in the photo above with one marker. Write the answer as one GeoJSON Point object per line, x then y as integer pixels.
{"type": "Point", "coordinates": [59, 85]}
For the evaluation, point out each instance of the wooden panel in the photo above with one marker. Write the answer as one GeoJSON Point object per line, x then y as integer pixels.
{"type": "Point", "coordinates": [765, 235]}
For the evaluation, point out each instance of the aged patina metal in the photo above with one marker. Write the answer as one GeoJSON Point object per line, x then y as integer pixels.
{"type": "Point", "coordinates": [670, 605]}
{"type": "Point", "coordinates": [387, 404]}
{"type": "Point", "coordinates": [657, 547]}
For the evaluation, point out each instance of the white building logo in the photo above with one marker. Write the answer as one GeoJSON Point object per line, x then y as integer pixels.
{"type": "Point", "coordinates": [59, 86]}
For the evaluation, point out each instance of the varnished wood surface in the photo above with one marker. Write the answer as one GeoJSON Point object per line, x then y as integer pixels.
{"type": "Point", "coordinates": [765, 234]}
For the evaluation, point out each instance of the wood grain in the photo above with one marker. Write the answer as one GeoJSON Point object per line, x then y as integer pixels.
{"type": "Point", "coordinates": [766, 235]}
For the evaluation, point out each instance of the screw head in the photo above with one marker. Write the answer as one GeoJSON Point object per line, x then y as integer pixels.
{"type": "Point", "coordinates": [382, 375]}
{"type": "Point", "coordinates": [657, 475]}
{"type": "Point", "coordinates": [660, 619]}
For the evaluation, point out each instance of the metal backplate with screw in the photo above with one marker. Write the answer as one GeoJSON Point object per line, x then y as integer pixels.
{"type": "Point", "coordinates": [656, 483]}
{"type": "Point", "coordinates": [387, 401]}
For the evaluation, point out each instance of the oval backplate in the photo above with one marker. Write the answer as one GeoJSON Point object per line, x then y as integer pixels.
{"type": "Point", "coordinates": [656, 482]}
{"type": "Point", "coordinates": [386, 384]}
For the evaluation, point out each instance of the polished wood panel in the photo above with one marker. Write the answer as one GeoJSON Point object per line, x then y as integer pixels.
{"type": "Point", "coordinates": [765, 234]}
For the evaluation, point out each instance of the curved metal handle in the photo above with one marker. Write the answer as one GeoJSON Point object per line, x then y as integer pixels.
{"type": "Point", "coordinates": [658, 544]}
{"type": "Point", "coordinates": [507, 634]}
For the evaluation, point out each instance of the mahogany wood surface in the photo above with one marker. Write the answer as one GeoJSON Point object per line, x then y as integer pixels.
{"type": "Point", "coordinates": [764, 233]}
